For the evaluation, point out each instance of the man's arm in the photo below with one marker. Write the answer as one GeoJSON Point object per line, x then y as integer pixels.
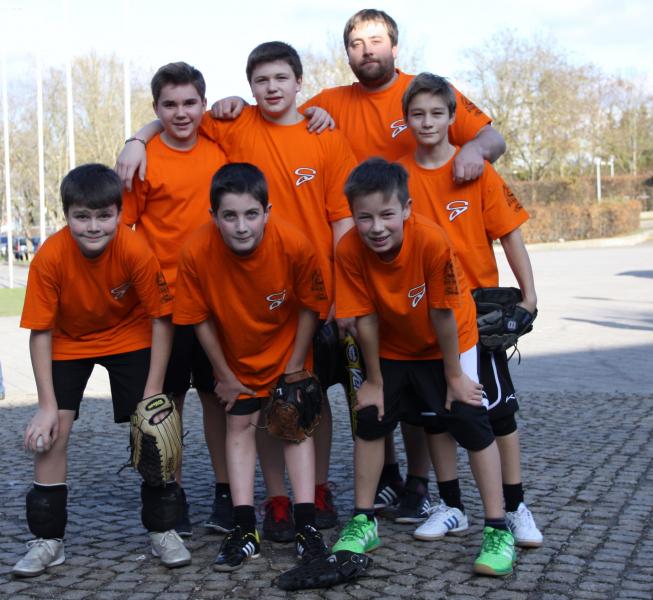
{"type": "Point", "coordinates": [228, 387]}
{"type": "Point", "coordinates": [459, 385]}
{"type": "Point", "coordinates": [520, 264]}
{"type": "Point", "coordinates": [133, 154]}
{"type": "Point", "coordinates": [371, 391]}
{"type": "Point", "coordinates": [306, 324]}
{"type": "Point", "coordinates": [45, 423]}
{"type": "Point", "coordinates": [162, 333]}
{"type": "Point", "coordinates": [487, 145]}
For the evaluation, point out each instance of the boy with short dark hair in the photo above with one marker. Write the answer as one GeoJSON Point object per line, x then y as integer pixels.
{"type": "Point", "coordinates": [95, 295]}
{"type": "Point", "coordinates": [252, 287]}
{"type": "Point", "coordinates": [165, 207]}
{"type": "Point", "coordinates": [397, 274]}
{"type": "Point", "coordinates": [473, 214]}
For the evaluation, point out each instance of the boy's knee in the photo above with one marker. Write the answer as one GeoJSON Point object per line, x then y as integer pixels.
{"type": "Point", "coordinates": [470, 426]}
{"type": "Point", "coordinates": [46, 510]}
{"type": "Point", "coordinates": [162, 506]}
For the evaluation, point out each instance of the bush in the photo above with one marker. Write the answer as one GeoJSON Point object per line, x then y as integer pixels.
{"type": "Point", "coordinates": [557, 221]}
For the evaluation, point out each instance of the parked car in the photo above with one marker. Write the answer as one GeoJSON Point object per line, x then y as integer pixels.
{"type": "Point", "coordinates": [20, 248]}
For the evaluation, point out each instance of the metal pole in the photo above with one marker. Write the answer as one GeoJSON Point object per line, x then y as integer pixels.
{"type": "Point", "coordinates": [39, 125]}
{"type": "Point", "coordinates": [126, 78]}
{"type": "Point", "coordinates": [597, 162]}
{"type": "Point", "coordinates": [5, 130]}
{"type": "Point", "coordinates": [70, 125]}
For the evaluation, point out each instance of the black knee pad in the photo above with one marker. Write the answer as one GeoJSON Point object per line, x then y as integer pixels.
{"type": "Point", "coordinates": [162, 506]}
{"type": "Point", "coordinates": [46, 510]}
{"type": "Point", "coordinates": [504, 425]}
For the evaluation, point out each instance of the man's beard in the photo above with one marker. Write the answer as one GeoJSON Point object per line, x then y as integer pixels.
{"type": "Point", "coordinates": [378, 76]}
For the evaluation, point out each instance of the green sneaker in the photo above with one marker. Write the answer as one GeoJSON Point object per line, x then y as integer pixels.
{"type": "Point", "coordinates": [497, 555]}
{"type": "Point", "coordinates": [359, 536]}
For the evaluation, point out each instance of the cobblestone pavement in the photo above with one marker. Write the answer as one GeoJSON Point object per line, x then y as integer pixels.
{"type": "Point", "coordinates": [586, 425]}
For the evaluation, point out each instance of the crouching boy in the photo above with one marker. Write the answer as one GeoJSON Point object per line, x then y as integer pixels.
{"type": "Point", "coordinates": [95, 295]}
{"type": "Point", "coordinates": [397, 274]}
{"type": "Point", "coordinates": [252, 286]}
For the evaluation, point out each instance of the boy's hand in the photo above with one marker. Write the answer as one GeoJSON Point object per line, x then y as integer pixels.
{"type": "Point", "coordinates": [228, 108]}
{"type": "Point", "coordinates": [318, 119]}
{"type": "Point", "coordinates": [469, 163]}
{"type": "Point", "coordinates": [529, 305]}
{"type": "Point", "coordinates": [228, 391]}
{"type": "Point", "coordinates": [463, 389]}
{"type": "Point", "coordinates": [44, 425]}
{"type": "Point", "coordinates": [131, 158]}
{"type": "Point", "coordinates": [370, 394]}
{"type": "Point", "coordinates": [347, 326]}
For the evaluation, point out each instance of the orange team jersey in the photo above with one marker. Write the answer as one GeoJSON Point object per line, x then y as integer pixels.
{"type": "Point", "coordinates": [254, 299]}
{"type": "Point", "coordinates": [473, 214]}
{"type": "Point", "coordinates": [174, 199]}
{"type": "Point", "coordinates": [374, 124]}
{"type": "Point", "coordinates": [424, 275]}
{"type": "Point", "coordinates": [95, 306]}
{"type": "Point", "coordinates": [305, 173]}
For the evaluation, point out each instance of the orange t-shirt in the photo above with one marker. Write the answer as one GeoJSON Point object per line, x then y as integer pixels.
{"type": "Point", "coordinates": [374, 124]}
{"type": "Point", "coordinates": [305, 173]}
{"type": "Point", "coordinates": [473, 214]}
{"type": "Point", "coordinates": [95, 306]}
{"type": "Point", "coordinates": [424, 275]}
{"type": "Point", "coordinates": [174, 198]}
{"type": "Point", "coordinates": [254, 299]}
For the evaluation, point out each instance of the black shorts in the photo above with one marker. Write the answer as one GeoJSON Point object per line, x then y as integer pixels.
{"type": "Point", "coordinates": [127, 376]}
{"type": "Point", "coordinates": [498, 388]}
{"type": "Point", "coordinates": [328, 355]}
{"type": "Point", "coordinates": [415, 392]}
{"type": "Point", "coordinates": [247, 406]}
{"type": "Point", "coordinates": [188, 365]}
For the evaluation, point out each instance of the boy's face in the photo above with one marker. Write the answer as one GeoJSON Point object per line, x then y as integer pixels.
{"type": "Point", "coordinates": [380, 223]}
{"type": "Point", "coordinates": [241, 221]}
{"type": "Point", "coordinates": [428, 118]}
{"type": "Point", "coordinates": [93, 228]}
{"type": "Point", "coordinates": [180, 109]}
{"type": "Point", "coordinates": [275, 89]}
{"type": "Point", "coordinates": [371, 54]}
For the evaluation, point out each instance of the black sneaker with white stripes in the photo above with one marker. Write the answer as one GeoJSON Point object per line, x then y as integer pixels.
{"type": "Point", "coordinates": [415, 504]}
{"type": "Point", "coordinates": [236, 548]}
{"type": "Point", "coordinates": [309, 545]}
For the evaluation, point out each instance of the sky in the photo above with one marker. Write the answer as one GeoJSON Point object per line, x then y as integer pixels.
{"type": "Point", "coordinates": [216, 37]}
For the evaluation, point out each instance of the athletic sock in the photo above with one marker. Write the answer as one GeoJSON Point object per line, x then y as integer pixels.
{"type": "Point", "coordinates": [450, 493]}
{"type": "Point", "coordinates": [391, 472]}
{"type": "Point", "coordinates": [222, 488]}
{"type": "Point", "coordinates": [513, 495]}
{"type": "Point", "coordinates": [424, 480]}
{"type": "Point", "coordinates": [368, 512]}
{"type": "Point", "coordinates": [496, 524]}
{"type": "Point", "coordinates": [304, 514]}
{"type": "Point", "coordinates": [245, 517]}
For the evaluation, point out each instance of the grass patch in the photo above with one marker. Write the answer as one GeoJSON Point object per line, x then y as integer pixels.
{"type": "Point", "coordinates": [11, 301]}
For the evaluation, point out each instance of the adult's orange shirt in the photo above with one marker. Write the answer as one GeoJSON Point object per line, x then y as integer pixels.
{"type": "Point", "coordinates": [373, 121]}
{"type": "Point", "coordinates": [254, 299]}
{"type": "Point", "coordinates": [174, 199]}
{"type": "Point", "coordinates": [95, 306]}
{"type": "Point", "coordinates": [473, 214]}
{"type": "Point", "coordinates": [305, 173]}
{"type": "Point", "coordinates": [424, 275]}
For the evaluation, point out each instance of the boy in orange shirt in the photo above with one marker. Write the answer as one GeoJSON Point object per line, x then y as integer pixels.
{"type": "Point", "coordinates": [170, 203]}
{"type": "Point", "coordinates": [416, 321]}
{"type": "Point", "coordinates": [252, 287]}
{"type": "Point", "coordinates": [306, 175]}
{"type": "Point", "coordinates": [95, 295]}
{"type": "Point", "coordinates": [473, 214]}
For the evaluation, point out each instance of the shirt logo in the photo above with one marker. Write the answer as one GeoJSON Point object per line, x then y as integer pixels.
{"type": "Point", "coordinates": [457, 208]}
{"type": "Point", "coordinates": [121, 290]}
{"type": "Point", "coordinates": [276, 299]}
{"type": "Point", "coordinates": [397, 127]}
{"type": "Point", "coordinates": [416, 294]}
{"type": "Point", "coordinates": [304, 174]}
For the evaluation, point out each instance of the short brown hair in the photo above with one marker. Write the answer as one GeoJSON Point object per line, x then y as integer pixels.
{"type": "Point", "coordinates": [430, 84]}
{"type": "Point", "coordinates": [377, 175]}
{"type": "Point", "coordinates": [177, 73]}
{"type": "Point", "coordinates": [371, 14]}
{"type": "Point", "coordinates": [270, 52]}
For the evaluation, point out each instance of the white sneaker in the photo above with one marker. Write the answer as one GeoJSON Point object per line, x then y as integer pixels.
{"type": "Point", "coordinates": [523, 528]}
{"type": "Point", "coordinates": [41, 555]}
{"type": "Point", "coordinates": [443, 520]}
{"type": "Point", "coordinates": [169, 547]}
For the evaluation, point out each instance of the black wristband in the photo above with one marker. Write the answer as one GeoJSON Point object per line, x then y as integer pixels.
{"type": "Point", "coordinates": [135, 139]}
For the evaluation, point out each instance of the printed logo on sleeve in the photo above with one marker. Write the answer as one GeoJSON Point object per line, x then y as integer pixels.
{"type": "Point", "coordinates": [450, 280]}
{"type": "Point", "coordinates": [317, 285]}
{"type": "Point", "coordinates": [471, 107]}
{"type": "Point", "coordinates": [304, 174]}
{"type": "Point", "coordinates": [511, 199]}
{"type": "Point", "coordinates": [397, 127]}
{"type": "Point", "coordinates": [276, 299]}
{"type": "Point", "coordinates": [457, 208]}
{"type": "Point", "coordinates": [121, 290]}
{"type": "Point", "coordinates": [416, 294]}
{"type": "Point", "coordinates": [164, 290]}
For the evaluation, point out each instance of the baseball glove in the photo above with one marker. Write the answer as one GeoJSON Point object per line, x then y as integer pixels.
{"type": "Point", "coordinates": [156, 439]}
{"type": "Point", "coordinates": [500, 321]}
{"type": "Point", "coordinates": [325, 572]}
{"type": "Point", "coordinates": [295, 407]}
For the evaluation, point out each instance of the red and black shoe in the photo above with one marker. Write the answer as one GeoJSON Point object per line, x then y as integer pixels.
{"type": "Point", "coordinates": [278, 523]}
